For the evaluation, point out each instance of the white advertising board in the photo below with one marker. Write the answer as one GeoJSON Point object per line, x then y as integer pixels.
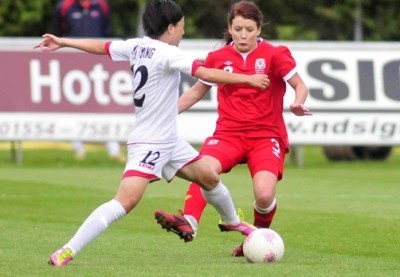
{"type": "Point", "coordinates": [354, 93]}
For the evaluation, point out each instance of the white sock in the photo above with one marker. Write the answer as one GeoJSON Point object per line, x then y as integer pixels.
{"type": "Point", "coordinates": [97, 222]}
{"type": "Point", "coordinates": [267, 210]}
{"type": "Point", "coordinates": [193, 223]}
{"type": "Point", "coordinates": [220, 198]}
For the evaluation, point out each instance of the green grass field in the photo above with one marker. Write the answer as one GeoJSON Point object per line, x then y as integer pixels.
{"type": "Point", "coordinates": [337, 219]}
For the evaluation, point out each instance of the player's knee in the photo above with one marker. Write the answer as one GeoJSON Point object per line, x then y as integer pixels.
{"type": "Point", "coordinates": [264, 200]}
{"type": "Point", "coordinates": [210, 180]}
{"type": "Point", "coordinates": [214, 179]}
{"type": "Point", "coordinates": [127, 203]}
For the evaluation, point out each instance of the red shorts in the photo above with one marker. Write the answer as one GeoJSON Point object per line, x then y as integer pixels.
{"type": "Point", "coordinates": [259, 153]}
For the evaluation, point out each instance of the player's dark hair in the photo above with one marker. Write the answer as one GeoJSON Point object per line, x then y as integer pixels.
{"type": "Point", "coordinates": [247, 10]}
{"type": "Point", "coordinates": [157, 16]}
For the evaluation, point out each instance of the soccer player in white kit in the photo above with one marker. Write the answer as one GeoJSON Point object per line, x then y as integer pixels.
{"type": "Point", "coordinates": [155, 149]}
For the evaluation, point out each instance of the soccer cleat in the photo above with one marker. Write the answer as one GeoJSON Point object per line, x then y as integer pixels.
{"type": "Point", "coordinates": [178, 224]}
{"type": "Point", "coordinates": [238, 252]}
{"type": "Point", "coordinates": [243, 227]}
{"type": "Point", "coordinates": [61, 257]}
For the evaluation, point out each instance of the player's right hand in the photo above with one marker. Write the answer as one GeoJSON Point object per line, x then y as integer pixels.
{"type": "Point", "coordinates": [49, 43]}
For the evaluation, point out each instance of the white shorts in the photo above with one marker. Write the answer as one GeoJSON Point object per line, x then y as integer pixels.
{"type": "Point", "coordinates": [154, 161]}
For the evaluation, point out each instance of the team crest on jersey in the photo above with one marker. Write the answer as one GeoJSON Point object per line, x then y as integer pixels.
{"type": "Point", "coordinates": [260, 65]}
{"type": "Point", "coordinates": [228, 63]}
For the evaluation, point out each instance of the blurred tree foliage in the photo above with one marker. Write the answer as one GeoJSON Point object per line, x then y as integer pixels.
{"type": "Point", "coordinates": [284, 20]}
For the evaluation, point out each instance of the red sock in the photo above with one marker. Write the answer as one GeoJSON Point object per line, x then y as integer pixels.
{"type": "Point", "coordinates": [264, 220]}
{"type": "Point", "coordinates": [194, 202]}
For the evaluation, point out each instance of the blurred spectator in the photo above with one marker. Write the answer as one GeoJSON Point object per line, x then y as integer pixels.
{"type": "Point", "coordinates": [85, 18]}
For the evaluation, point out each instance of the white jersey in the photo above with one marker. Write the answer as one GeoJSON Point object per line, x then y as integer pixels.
{"type": "Point", "coordinates": [156, 68]}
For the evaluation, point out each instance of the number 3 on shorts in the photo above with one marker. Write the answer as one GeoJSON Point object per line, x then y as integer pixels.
{"type": "Point", "coordinates": [276, 150]}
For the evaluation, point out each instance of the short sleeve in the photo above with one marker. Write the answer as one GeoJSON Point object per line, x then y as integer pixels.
{"type": "Point", "coordinates": [283, 63]}
{"type": "Point", "coordinates": [120, 50]}
{"type": "Point", "coordinates": [209, 63]}
{"type": "Point", "coordinates": [179, 60]}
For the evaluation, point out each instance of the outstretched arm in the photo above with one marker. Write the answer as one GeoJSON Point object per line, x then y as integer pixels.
{"type": "Point", "coordinates": [52, 43]}
{"type": "Point", "coordinates": [192, 96]}
{"type": "Point", "coordinates": [219, 76]}
{"type": "Point", "coordinates": [301, 91]}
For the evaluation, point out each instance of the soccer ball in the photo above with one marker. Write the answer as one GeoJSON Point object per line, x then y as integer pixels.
{"type": "Point", "coordinates": [263, 246]}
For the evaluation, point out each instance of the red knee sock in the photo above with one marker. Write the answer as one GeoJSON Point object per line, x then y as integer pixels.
{"type": "Point", "coordinates": [194, 202]}
{"type": "Point", "coordinates": [264, 220]}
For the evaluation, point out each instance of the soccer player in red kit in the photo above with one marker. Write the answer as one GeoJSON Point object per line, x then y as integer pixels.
{"type": "Point", "coordinates": [250, 127]}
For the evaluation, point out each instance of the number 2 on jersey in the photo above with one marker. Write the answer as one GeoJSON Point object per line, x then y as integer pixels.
{"type": "Point", "coordinates": [143, 79]}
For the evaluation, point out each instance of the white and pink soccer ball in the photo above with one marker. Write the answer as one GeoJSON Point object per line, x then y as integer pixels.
{"type": "Point", "coordinates": [263, 246]}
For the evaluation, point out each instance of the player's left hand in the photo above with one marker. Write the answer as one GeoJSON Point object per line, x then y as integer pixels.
{"type": "Point", "coordinates": [299, 110]}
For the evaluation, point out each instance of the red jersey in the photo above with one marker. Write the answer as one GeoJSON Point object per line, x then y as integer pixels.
{"type": "Point", "coordinates": [246, 110]}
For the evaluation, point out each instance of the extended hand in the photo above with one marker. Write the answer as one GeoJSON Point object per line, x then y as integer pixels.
{"type": "Point", "coordinates": [299, 109]}
{"type": "Point", "coordinates": [49, 43]}
{"type": "Point", "coordinates": [260, 81]}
